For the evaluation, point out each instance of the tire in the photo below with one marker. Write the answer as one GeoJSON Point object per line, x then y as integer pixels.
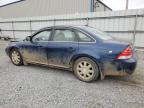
{"type": "Point", "coordinates": [16, 57]}
{"type": "Point", "coordinates": [86, 69]}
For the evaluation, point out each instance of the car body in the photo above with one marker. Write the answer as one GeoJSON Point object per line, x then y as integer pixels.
{"type": "Point", "coordinates": [62, 46]}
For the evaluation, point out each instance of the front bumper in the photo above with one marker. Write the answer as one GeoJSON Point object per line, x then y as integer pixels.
{"type": "Point", "coordinates": [7, 50]}
{"type": "Point", "coordinates": [120, 67]}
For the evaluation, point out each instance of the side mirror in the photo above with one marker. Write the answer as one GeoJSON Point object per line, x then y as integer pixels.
{"type": "Point", "coordinates": [28, 38]}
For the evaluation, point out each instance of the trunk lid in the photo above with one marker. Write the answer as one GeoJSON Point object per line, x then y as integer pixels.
{"type": "Point", "coordinates": [112, 48]}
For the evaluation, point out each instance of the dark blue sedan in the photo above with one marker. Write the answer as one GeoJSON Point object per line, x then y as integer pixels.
{"type": "Point", "coordinates": [89, 52]}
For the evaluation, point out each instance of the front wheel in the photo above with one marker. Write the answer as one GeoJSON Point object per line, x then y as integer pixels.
{"type": "Point", "coordinates": [86, 69]}
{"type": "Point", "coordinates": [16, 57]}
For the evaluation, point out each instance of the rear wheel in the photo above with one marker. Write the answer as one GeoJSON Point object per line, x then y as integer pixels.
{"type": "Point", "coordinates": [86, 69]}
{"type": "Point", "coordinates": [16, 57]}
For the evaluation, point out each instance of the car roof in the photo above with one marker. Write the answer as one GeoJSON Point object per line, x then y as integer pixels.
{"type": "Point", "coordinates": [65, 26]}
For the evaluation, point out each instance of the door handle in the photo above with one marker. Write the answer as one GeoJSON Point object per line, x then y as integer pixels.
{"type": "Point", "coordinates": [71, 49]}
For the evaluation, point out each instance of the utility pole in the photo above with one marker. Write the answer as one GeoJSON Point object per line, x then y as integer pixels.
{"type": "Point", "coordinates": [127, 4]}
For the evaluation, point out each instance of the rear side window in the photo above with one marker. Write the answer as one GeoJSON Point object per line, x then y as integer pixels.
{"type": "Point", "coordinates": [64, 35]}
{"type": "Point", "coordinates": [84, 38]}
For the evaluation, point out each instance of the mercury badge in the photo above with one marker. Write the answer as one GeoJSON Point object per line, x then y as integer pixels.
{"type": "Point", "coordinates": [110, 51]}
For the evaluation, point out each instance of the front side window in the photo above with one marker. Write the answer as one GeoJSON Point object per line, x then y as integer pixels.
{"type": "Point", "coordinates": [42, 36]}
{"type": "Point", "coordinates": [84, 38]}
{"type": "Point", "coordinates": [64, 35]}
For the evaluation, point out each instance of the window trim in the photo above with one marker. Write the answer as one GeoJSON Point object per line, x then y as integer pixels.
{"type": "Point", "coordinates": [72, 29]}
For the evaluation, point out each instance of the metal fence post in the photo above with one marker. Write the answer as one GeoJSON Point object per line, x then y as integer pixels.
{"type": "Point", "coordinates": [87, 21]}
{"type": "Point", "coordinates": [54, 21]}
{"type": "Point", "coordinates": [135, 27]}
{"type": "Point", "coordinates": [30, 27]}
{"type": "Point", "coordinates": [13, 29]}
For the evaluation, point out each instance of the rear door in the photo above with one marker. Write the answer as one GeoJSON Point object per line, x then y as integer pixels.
{"type": "Point", "coordinates": [62, 47]}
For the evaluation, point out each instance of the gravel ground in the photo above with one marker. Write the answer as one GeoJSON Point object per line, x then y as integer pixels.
{"type": "Point", "coordinates": [41, 87]}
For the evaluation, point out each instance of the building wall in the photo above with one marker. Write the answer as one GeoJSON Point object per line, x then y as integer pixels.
{"type": "Point", "coordinates": [98, 6]}
{"type": "Point", "coordinates": [28, 8]}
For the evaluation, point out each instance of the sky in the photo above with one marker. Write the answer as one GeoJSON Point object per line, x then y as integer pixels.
{"type": "Point", "coordinates": [121, 4]}
{"type": "Point", "coordinates": [3, 2]}
{"type": "Point", "coordinates": [114, 4]}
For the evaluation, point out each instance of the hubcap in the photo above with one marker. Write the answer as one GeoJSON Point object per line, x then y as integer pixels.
{"type": "Point", "coordinates": [15, 57]}
{"type": "Point", "coordinates": [85, 70]}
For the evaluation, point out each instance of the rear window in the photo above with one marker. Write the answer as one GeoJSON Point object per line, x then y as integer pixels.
{"type": "Point", "coordinates": [100, 34]}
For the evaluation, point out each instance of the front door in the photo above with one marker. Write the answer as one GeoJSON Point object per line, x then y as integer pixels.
{"type": "Point", "coordinates": [35, 50]}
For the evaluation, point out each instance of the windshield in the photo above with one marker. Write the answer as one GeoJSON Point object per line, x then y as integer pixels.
{"type": "Point", "coordinates": [100, 34]}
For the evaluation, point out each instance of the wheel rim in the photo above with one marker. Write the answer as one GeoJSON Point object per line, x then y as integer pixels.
{"type": "Point", "coordinates": [85, 70]}
{"type": "Point", "coordinates": [15, 57]}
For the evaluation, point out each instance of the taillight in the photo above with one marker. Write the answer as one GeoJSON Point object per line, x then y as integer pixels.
{"type": "Point", "coordinates": [126, 54]}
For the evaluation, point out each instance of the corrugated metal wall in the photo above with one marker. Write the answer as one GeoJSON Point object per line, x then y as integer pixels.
{"type": "Point", "coordinates": [126, 25]}
{"type": "Point", "coordinates": [32, 8]}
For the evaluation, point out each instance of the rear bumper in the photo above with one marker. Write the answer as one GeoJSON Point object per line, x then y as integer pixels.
{"type": "Point", "coordinates": [120, 67]}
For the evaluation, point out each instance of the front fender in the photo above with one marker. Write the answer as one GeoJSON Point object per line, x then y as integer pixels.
{"type": "Point", "coordinates": [10, 47]}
